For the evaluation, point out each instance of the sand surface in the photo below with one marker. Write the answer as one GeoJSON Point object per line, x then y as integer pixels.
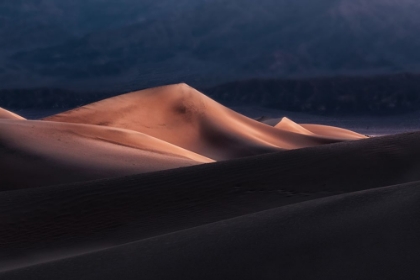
{"type": "Point", "coordinates": [40, 153]}
{"type": "Point", "coordinates": [5, 114]}
{"type": "Point", "coordinates": [319, 130]}
{"type": "Point", "coordinates": [167, 184]}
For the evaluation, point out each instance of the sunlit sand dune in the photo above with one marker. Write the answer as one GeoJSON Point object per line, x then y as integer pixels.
{"type": "Point", "coordinates": [333, 132]}
{"type": "Point", "coordinates": [5, 114]}
{"type": "Point", "coordinates": [319, 130]}
{"type": "Point", "coordinates": [187, 118]}
{"type": "Point", "coordinates": [149, 130]}
{"type": "Point", "coordinates": [39, 153]}
{"type": "Point", "coordinates": [288, 124]}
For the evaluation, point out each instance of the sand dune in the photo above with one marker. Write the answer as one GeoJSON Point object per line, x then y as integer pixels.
{"type": "Point", "coordinates": [319, 130]}
{"type": "Point", "coordinates": [40, 153]}
{"type": "Point", "coordinates": [288, 124]}
{"type": "Point", "coordinates": [5, 114]}
{"type": "Point", "coordinates": [150, 130]}
{"type": "Point", "coordinates": [190, 221]}
{"type": "Point", "coordinates": [118, 189]}
{"type": "Point", "coordinates": [333, 132]}
{"type": "Point", "coordinates": [187, 118]}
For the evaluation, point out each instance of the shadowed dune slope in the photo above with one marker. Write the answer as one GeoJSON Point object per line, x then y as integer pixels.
{"type": "Point", "coordinates": [319, 130]}
{"type": "Point", "coordinates": [365, 235]}
{"type": "Point", "coordinates": [187, 118]}
{"type": "Point", "coordinates": [109, 212]}
{"type": "Point", "coordinates": [5, 114]}
{"type": "Point", "coordinates": [40, 153]}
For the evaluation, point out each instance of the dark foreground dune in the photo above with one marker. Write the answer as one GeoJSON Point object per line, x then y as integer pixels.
{"type": "Point", "coordinates": [366, 235]}
{"type": "Point", "coordinates": [341, 211]}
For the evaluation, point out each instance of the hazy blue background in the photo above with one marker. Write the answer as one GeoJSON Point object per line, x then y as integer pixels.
{"type": "Point", "coordinates": [98, 44]}
{"type": "Point", "coordinates": [324, 57]}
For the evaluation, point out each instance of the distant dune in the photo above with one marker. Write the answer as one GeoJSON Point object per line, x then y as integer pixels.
{"type": "Point", "coordinates": [319, 130]}
{"type": "Point", "coordinates": [333, 132]}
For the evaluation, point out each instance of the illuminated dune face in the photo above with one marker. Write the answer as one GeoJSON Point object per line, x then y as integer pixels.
{"type": "Point", "coordinates": [4, 114]}
{"type": "Point", "coordinates": [333, 132]}
{"type": "Point", "coordinates": [289, 125]}
{"type": "Point", "coordinates": [187, 118]}
{"type": "Point", "coordinates": [36, 153]}
{"type": "Point", "coordinates": [326, 131]}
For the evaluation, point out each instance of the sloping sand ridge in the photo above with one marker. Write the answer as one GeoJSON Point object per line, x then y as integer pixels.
{"type": "Point", "coordinates": [4, 114]}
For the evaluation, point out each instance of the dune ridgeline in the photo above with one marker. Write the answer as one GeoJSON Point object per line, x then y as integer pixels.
{"type": "Point", "coordinates": [148, 130]}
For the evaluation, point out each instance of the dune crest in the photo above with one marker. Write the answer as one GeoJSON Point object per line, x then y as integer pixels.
{"type": "Point", "coordinates": [5, 114]}
{"type": "Point", "coordinates": [187, 118]}
{"type": "Point", "coordinates": [289, 125]}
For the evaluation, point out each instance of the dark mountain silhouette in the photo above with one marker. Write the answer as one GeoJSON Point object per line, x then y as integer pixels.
{"type": "Point", "coordinates": [209, 42]}
{"type": "Point", "coordinates": [378, 95]}
{"type": "Point", "coordinates": [30, 23]}
{"type": "Point", "coordinates": [47, 98]}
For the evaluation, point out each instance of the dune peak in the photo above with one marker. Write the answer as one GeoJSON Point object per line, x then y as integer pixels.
{"type": "Point", "coordinates": [289, 125]}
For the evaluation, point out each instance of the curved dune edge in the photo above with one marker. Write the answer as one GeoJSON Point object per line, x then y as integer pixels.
{"type": "Point", "coordinates": [332, 131]}
{"type": "Point", "coordinates": [183, 116]}
{"type": "Point", "coordinates": [319, 130]}
{"type": "Point", "coordinates": [5, 114]}
{"type": "Point", "coordinates": [40, 153]}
